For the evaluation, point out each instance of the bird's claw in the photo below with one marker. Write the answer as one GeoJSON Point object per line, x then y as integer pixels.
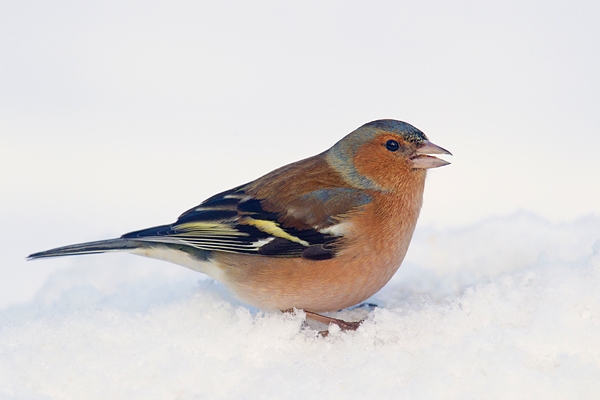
{"type": "Point", "coordinates": [343, 325]}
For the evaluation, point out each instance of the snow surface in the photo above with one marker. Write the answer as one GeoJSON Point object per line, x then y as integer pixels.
{"type": "Point", "coordinates": [507, 308]}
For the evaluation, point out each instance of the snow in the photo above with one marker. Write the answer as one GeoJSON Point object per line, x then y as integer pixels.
{"type": "Point", "coordinates": [505, 308]}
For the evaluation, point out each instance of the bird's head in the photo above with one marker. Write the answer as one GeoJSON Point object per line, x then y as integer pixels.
{"type": "Point", "coordinates": [383, 154]}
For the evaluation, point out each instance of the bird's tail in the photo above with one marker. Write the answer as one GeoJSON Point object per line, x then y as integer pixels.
{"type": "Point", "coordinates": [101, 246]}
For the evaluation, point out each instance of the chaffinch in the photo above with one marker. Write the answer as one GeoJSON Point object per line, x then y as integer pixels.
{"type": "Point", "coordinates": [320, 234]}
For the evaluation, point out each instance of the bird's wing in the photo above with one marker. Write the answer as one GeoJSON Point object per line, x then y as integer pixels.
{"type": "Point", "coordinates": [236, 221]}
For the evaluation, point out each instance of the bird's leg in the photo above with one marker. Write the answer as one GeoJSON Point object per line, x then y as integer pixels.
{"type": "Point", "coordinates": [344, 325]}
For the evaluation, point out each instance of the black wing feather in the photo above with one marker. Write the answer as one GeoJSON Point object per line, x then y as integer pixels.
{"type": "Point", "coordinates": [234, 221]}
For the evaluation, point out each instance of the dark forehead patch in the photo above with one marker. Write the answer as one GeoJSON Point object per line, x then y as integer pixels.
{"type": "Point", "coordinates": [407, 131]}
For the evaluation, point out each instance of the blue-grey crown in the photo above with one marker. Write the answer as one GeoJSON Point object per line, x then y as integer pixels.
{"type": "Point", "coordinates": [409, 132]}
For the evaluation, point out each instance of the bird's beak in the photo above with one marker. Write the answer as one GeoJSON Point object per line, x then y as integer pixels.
{"type": "Point", "coordinates": [423, 160]}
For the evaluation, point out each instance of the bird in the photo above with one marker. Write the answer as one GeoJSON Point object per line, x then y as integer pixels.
{"type": "Point", "coordinates": [319, 235]}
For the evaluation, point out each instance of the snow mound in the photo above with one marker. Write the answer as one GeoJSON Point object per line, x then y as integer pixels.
{"type": "Point", "coordinates": [508, 308]}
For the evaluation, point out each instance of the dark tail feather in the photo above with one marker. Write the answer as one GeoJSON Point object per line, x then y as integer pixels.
{"type": "Point", "coordinates": [101, 246]}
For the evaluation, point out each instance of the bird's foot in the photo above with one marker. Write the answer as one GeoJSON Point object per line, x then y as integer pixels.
{"type": "Point", "coordinates": [343, 325]}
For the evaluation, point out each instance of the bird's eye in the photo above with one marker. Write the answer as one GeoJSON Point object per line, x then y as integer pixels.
{"type": "Point", "coordinates": [392, 145]}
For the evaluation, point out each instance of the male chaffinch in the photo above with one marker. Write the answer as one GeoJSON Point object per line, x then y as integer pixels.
{"type": "Point", "coordinates": [320, 234]}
